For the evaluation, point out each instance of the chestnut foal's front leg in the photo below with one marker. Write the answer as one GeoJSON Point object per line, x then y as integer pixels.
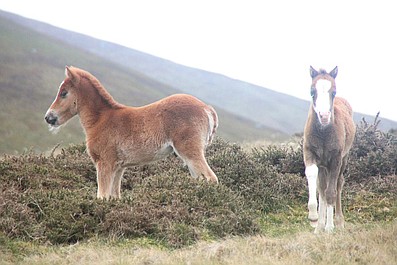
{"type": "Point", "coordinates": [105, 178]}
{"type": "Point", "coordinates": [115, 193]}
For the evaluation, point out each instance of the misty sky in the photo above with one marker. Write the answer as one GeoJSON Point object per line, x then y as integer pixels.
{"type": "Point", "coordinates": [268, 43]}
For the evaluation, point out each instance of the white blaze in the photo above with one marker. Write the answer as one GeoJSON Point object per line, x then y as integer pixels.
{"type": "Point", "coordinates": [323, 103]}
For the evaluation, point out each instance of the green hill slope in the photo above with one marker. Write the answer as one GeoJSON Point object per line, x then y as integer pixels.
{"type": "Point", "coordinates": [32, 59]}
{"type": "Point", "coordinates": [31, 69]}
{"type": "Point", "coordinates": [264, 107]}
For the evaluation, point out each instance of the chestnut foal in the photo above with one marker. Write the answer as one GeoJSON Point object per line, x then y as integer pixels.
{"type": "Point", "coordinates": [118, 136]}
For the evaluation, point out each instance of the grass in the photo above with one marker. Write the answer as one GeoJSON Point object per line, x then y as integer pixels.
{"type": "Point", "coordinates": [357, 244]}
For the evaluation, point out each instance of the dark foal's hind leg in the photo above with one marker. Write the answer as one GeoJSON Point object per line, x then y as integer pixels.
{"type": "Point", "coordinates": [339, 218]}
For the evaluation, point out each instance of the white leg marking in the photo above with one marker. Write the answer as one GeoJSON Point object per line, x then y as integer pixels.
{"type": "Point", "coordinates": [311, 175]}
{"type": "Point", "coordinates": [322, 215]}
{"type": "Point", "coordinates": [329, 227]}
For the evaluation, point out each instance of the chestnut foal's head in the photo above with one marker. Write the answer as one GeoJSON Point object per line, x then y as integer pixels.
{"type": "Point", "coordinates": [323, 91]}
{"type": "Point", "coordinates": [64, 106]}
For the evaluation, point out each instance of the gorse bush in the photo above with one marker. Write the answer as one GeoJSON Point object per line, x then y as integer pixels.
{"type": "Point", "coordinates": [52, 199]}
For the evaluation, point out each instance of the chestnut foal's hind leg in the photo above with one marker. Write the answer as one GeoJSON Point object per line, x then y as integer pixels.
{"type": "Point", "coordinates": [193, 156]}
{"type": "Point", "coordinates": [199, 167]}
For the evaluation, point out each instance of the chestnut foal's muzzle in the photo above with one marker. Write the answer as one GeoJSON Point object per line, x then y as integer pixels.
{"type": "Point", "coordinates": [50, 118]}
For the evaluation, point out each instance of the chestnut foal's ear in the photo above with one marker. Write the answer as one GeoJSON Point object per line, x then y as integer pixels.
{"type": "Point", "coordinates": [71, 74]}
{"type": "Point", "coordinates": [68, 72]}
{"type": "Point", "coordinates": [334, 72]}
{"type": "Point", "coordinates": [313, 72]}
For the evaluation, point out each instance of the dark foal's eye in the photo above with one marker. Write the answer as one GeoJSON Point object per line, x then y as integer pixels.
{"type": "Point", "coordinates": [313, 92]}
{"type": "Point", "coordinates": [333, 94]}
{"type": "Point", "coordinates": [63, 94]}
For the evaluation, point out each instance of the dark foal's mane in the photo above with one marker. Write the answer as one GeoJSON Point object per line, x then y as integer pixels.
{"type": "Point", "coordinates": [102, 92]}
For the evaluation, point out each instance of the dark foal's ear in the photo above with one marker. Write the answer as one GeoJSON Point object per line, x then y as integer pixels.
{"type": "Point", "coordinates": [334, 72]}
{"type": "Point", "coordinates": [71, 74]}
{"type": "Point", "coordinates": [313, 72]}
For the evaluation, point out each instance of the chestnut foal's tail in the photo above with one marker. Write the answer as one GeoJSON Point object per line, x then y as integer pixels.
{"type": "Point", "coordinates": [213, 123]}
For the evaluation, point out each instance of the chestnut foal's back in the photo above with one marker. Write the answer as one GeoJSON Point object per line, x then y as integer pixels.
{"type": "Point", "coordinates": [118, 136]}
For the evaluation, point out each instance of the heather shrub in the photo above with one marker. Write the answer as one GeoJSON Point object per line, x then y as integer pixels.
{"type": "Point", "coordinates": [283, 159]}
{"type": "Point", "coordinates": [374, 152]}
{"type": "Point", "coordinates": [53, 199]}
{"type": "Point", "coordinates": [180, 210]}
{"type": "Point", "coordinates": [258, 176]}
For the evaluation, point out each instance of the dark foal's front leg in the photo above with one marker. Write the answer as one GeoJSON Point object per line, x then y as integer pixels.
{"type": "Point", "coordinates": [311, 172]}
{"type": "Point", "coordinates": [331, 192]}
{"type": "Point", "coordinates": [322, 202]}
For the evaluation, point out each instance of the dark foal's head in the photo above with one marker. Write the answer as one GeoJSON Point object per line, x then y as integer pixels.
{"type": "Point", "coordinates": [323, 91]}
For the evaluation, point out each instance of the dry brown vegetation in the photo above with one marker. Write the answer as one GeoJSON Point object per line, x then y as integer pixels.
{"type": "Point", "coordinates": [357, 245]}
{"type": "Point", "coordinates": [49, 214]}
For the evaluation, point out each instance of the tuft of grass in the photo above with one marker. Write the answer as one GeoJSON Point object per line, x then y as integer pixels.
{"type": "Point", "coordinates": [362, 244]}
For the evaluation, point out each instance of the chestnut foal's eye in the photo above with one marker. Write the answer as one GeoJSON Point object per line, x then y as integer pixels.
{"type": "Point", "coordinates": [63, 94]}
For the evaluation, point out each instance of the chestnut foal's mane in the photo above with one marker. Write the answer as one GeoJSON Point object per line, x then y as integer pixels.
{"type": "Point", "coordinates": [102, 92]}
